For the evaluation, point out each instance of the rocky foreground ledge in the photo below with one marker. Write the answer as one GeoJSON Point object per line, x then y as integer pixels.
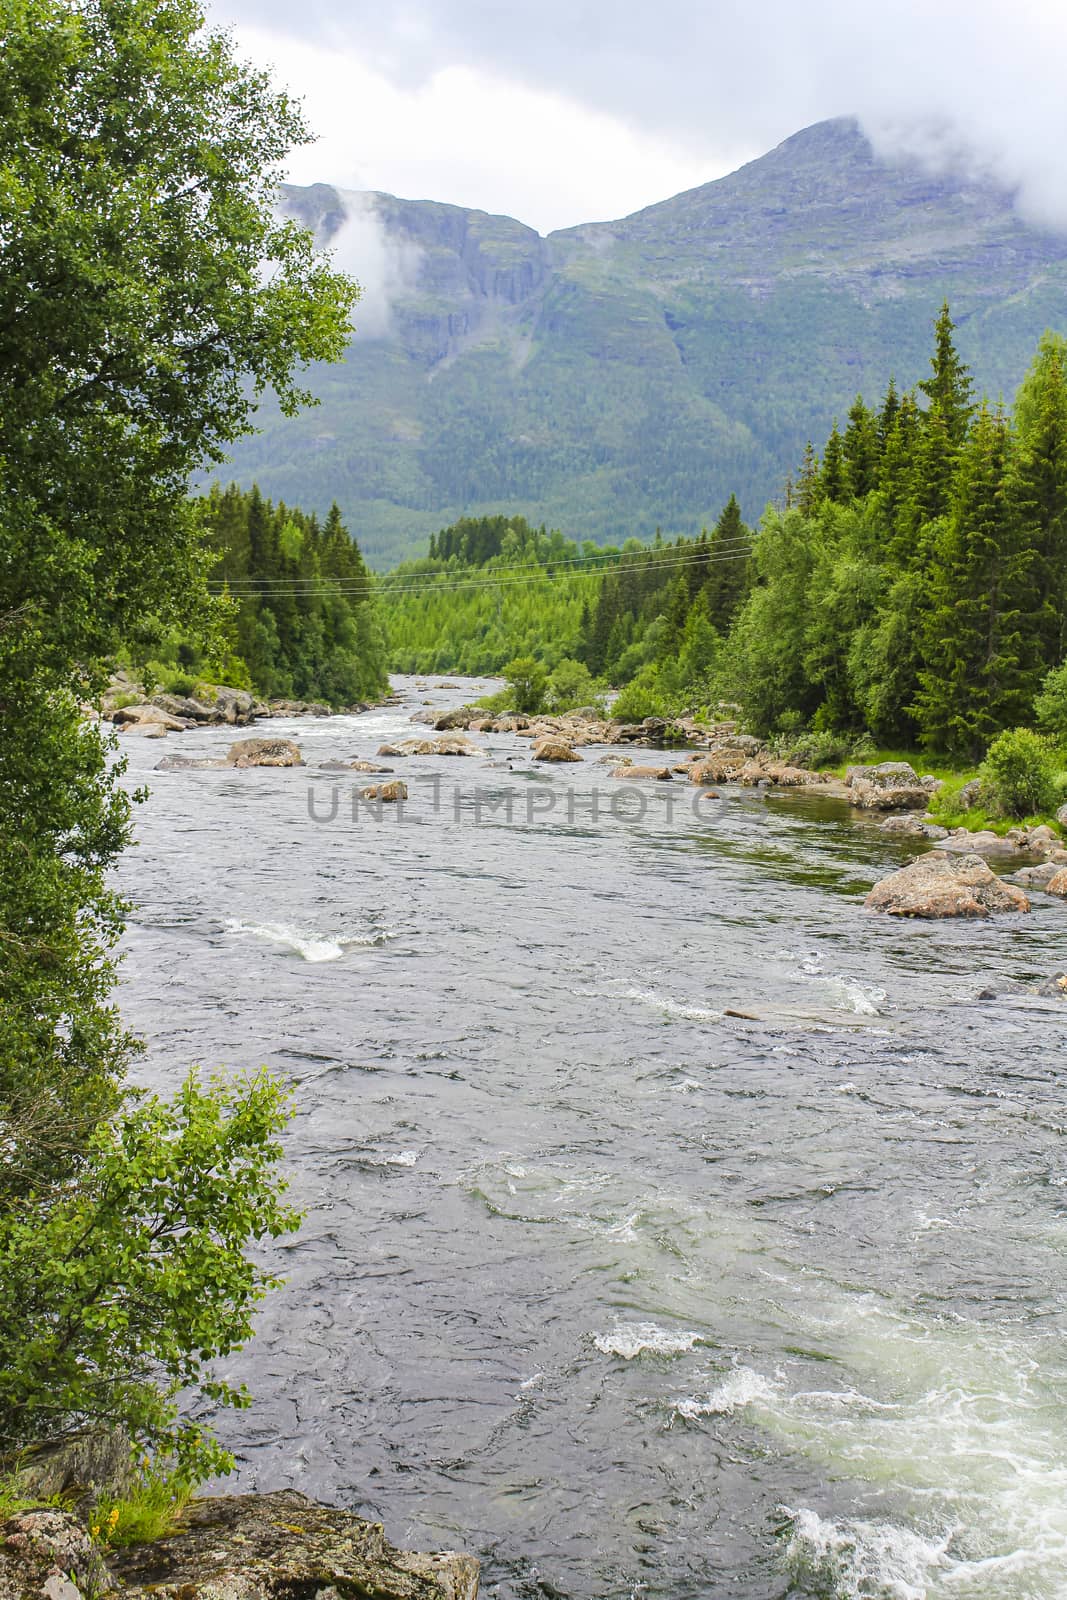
{"type": "Point", "coordinates": [247, 1547]}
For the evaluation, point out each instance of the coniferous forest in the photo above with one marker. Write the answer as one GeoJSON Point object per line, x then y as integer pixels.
{"type": "Point", "coordinates": [909, 583]}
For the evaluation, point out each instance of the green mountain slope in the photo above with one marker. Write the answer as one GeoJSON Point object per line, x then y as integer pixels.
{"type": "Point", "coordinates": [621, 376]}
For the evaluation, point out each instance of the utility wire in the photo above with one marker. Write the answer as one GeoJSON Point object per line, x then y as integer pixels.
{"type": "Point", "coordinates": [322, 586]}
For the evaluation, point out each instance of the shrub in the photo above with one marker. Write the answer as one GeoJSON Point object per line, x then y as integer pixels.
{"type": "Point", "coordinates": [1050, 707]}
{"type": "Point", "coordinates": [1019, 774]}
{"type": "Point", "coordinates": [526, 680]}
{"type": "Point", "coordinates": [570, 685]}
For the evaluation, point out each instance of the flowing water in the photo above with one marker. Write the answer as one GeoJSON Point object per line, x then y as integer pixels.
{"type": "Point", "coordinates": [627, 1295]}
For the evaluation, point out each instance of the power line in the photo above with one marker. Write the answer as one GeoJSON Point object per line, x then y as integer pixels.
{"type": "Point", "coordinates": [243, 588]}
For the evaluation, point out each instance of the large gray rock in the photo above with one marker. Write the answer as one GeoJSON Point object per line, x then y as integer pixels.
{"type": "Point", "coordinates": [234, 705]}
{"type": "Point", "coordinates": [907, 825]}
{"type": "Point", "coordinates": [984, 843]}
{"type": "Point", "coordinates": [940, 885]}
{"type": "Point", "coordinates": [1037, 877]}
{"type": "Point", "coordinates": [285, 1547]}
{"type": "Point", "coordinates": [182, 705]}
{"type": "Point", "coordinates": [264, 753]}
{"type": "Point", "coordinates": [148, 715]}
{"type": "Point", "coordinates": [889, 786]}
{"type": "Point", "coordinates": [88, 1464]}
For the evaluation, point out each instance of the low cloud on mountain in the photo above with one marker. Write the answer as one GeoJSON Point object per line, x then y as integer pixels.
{"type": "Point", "coordinates": [707, 86]}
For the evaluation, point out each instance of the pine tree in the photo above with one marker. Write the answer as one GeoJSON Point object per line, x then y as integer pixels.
{"type": "Point", "coordinates": [981, 666]}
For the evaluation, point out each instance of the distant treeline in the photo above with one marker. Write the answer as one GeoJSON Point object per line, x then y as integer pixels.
{"type": "Point", "coordinates": [910, 584]}
{"type": "Point", "coordinates": [300, 619]}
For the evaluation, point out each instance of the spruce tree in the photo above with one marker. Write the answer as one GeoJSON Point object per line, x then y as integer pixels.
{"type": "Point", "coordinates": [862, 450]}
{"type": "Point", "coordinates": [728, 569]}
{"type": "Point", "coordinates": [834, 476]}
{"type": "Point", "coordinates": [1040, 485]}
{"type": "Point", "coordinates": [981, 665]}
{"type": "Point", "coordinates": [949, 388]}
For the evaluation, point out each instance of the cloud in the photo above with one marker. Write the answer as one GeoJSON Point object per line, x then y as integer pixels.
{"type": "Point", "coordinates": [688, 85]}
{"type": "Point", "coordinates": [384, 266]}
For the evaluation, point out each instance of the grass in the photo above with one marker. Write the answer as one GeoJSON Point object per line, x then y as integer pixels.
{"type": "Point", "coordinates": [150, 1511]}
{"type": "Point", "coordinates": [953, 775]}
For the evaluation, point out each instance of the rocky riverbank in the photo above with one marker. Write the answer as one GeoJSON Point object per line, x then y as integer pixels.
{"type": "Point", "coordinates": [279, 1546]}
{"type": "Point", "coordinates": [132, 709]}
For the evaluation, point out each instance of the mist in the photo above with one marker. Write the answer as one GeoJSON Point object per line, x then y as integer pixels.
{"type": "Point", "coordinates": [966, 86]}
{"type": "Point", "coordinates": [385, 267]}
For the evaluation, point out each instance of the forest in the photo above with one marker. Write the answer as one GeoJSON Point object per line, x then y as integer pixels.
{"type": "Point", "coordinates": [910, 583]}
{"type": "Point", "coordinates": [293, 614]}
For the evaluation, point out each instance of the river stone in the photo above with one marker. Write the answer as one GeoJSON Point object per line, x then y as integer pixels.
{"type": "Point", "coordinates": [188, 764]}
{"type": "Point", "coordinates": [890, 786]}
{"type": "Point", "coordinates": [909, 825]}
{"type": "Point", "coordinates": [1056, 987]}
{"type": "Point", "coordinates": [282, 1546]}
{"type": "Point", "coordinates": [352, 766]}
{"type": "Point", "coordinates": [397, 790]}
{"type": "Point", "coordinates": [264, 753]}
{"type": "Point", "coordinates": [233, 705]}
{"type": "Point", "coordinates": [46, 1554]}
{"type": "Point", "coordinates": [147, 715]}
{"type": "Point", "coordinates": [1058, 884]}
{"type": "Point", "coordinates": [940, 885]}
{"type": "Point", "coordinates": [985, 843]}
{"type": "Point", "coordinates": [628, 770]}
{"type": "Point", "coordinates": [1038, 877]}
{"type": "Point", "coordinates": [554, 750]}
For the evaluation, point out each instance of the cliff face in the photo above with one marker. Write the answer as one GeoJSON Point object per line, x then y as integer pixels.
{"type": "Point", "coordinates": [623, 375]}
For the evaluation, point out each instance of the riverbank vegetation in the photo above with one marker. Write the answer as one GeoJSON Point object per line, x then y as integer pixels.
{"type": "Point", "coordinates": [137, 325]}
{"type": "Point", "coordinates": [909, 589]}
{"type": "Point", "coordinates": [297, 616]}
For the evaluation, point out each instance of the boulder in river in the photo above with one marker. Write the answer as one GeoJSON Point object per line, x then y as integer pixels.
{"type": "Point", "coordinates": [395, 791]}
{"type": "Point", "coordinates": [629, 770]}
{"type": "Point", "coordinates": [353, 766]}
{"type": "Point", "coordinates": [1037, 877]}
{"type": "Point", "coordinates": [889, 786]}
{"type": "Point", "coordinates": [549, 749]}
{"type": "Point", "coordinates": [906, 824]}
{"type": "Point", "coordinates": [148, 715]}
{"type": "Point", "coordinates": [983, 843]}
{"type": "Point", "coordinates": [941, 885]}
{"type": "Point", "coordinates": [1058, 884]}
{"type": "Point", "coordinates": [264, 753]}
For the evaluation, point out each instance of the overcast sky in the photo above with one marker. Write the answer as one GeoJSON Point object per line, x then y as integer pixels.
{"type": "Point", "coordinates": [575, 110]}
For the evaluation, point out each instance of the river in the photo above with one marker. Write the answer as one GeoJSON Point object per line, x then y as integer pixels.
{"type": "Point", "coordinates": [627, 1296]}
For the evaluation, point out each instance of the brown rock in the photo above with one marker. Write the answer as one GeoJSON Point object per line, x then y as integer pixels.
{"type": "Point", "coordinates": [659, 774]}
{"type": "Point", "coordinates": [395, 791]}
{"type": "Point", "coordinates": [549, 749]}
{"type": "Point", "coordinates": [264, 753]}
{"type": "Point", "coordinates": [148, 715]}
{"type": "Point", "coordinates": [940, 885]}
{"type": "Point", "coordinates": [1058, 884]}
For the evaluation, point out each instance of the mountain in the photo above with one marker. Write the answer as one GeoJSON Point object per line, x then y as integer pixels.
{"type": "Point", "coordinates": [620, 376]}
